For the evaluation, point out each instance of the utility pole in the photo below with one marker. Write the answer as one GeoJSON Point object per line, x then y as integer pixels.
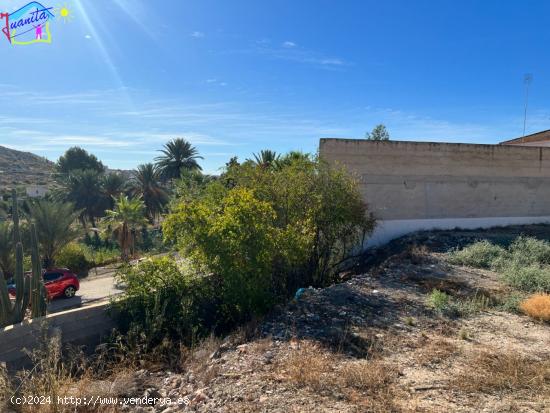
{"type": "Point", "coordinates": [527, 79]}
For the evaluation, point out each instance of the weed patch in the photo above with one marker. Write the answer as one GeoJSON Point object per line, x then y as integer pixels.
{"type": "Point", "coordinates": [488, 372]}
{"type": "Point", "coordinates": [369, 383]}
{"type": "Point", "coordinates": [524, 265]}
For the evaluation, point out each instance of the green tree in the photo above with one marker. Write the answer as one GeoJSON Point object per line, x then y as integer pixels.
{"type": "Point", "coordinates": [379, 133]}
{"type": "Point", "coordinates": [76, 158]}
{"type": "Point", "coordinates": [287, 227]}
{"type": "Point", "coordinates": [112, 185]}
{"type": "Point", "coordinates": [54, 227]}
{"type": "Point", "coordinates": [83, 188]}
{"type": "Point", "coordinates": [178, 155]}
{"type": "Point", "coordinates": [237, 240]}
{"type": "Point", "coordinates": [124, 220]}
{"type": "Point", "coordinates": [291, 157]}
{"type": "Point", "coordinates": [146, 186]}
{"type": "Point", "coordinates": [265, 158]}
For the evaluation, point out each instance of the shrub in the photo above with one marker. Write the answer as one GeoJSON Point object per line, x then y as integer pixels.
{"type": "Point", "coordinates": [537, 306]}
{"type": "Point", "coordinates": [102, 256]}
{"type": "Point", "coordinates": [525, 251]}
{"type": "Point", "coordinates": [438, 300]}
{"type": "Point", "coordinates": [532, 278]}
{"type": "Point", "coordinates": [525, 265]}
{"type": "Point", "coordinates": [511, 302]}
{"type": "Point", "coordinates": [481, 254]}
{"type": "Point", "coordinates": [238, 243]}
{"type": "Point", "coordinates": [163, 301]}
{"type": "Point", "coordinates": [267, 230]}
{"type": "Point", "coordinates": [73, 256]}
{"type": "Point", "coordinates": [472, 305]}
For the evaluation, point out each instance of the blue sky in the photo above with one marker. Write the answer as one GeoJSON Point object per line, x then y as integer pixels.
{"type": "Point", "coordinates": [234, 77]}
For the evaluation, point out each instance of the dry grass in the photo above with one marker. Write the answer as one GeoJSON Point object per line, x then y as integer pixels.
{"type": "Point", "coordinates": [488, 372]}
{"type": "Point", "coordinates": [197, 360]}
{"type": "Point", "coordinates": [365, 383]}
{"type": "Point", "coordinates": [309, 366]}
{"type": "Point", "coordinates": [436, 350]}
{"type": "Point", "coordinates": [537, 306]}
{"type": "Point", "coordinates": [416, 254]}
{"type": "Point", "coordinates": [368, 375]}
{"type": "Point", "coordinates": [53, 378]}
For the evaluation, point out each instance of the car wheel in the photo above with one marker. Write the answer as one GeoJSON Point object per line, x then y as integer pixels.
{"type": "Point", "coordinates": [69, 292]}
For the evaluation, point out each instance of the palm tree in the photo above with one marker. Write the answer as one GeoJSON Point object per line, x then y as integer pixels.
{"type": "Point", "coordinates": [146, 186]}
{"type": "Point", "coordinates": [266, 158]}
{"type": "Point", "coordinates": [123, 221]}
{"type": "Point", "coordinates": [54, 226]}
{"type": "Point", "coordinates": [178, 154]}
{"type": "Point", "coordinates": [112, 186]}
{"type": "Point", "coordinates": [83, 189]}
{"type": "Point", "coordinates": [292, 156]}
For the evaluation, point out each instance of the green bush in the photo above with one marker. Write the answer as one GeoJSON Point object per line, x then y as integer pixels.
{"type": "Point", "coordinates": [511, 302]}
{"type": "Point", "coordinates": [163, 301]}
{"type": "Point", "coordinates": [531, 278]}
{"type": "Point", "coordinates": [73, 257]}
{"type": "Point", "coordinates": [267, 230]}
{"type": "Point", "coordinates": [238, 243]}
{"type": "Point", "coordinates": [524, 265]}
{"type": "Point", "coordinates": [472, 305]}
{"type": "Point", "coordinates": [482, 254]}
{"type": "Point", "coordinates": [102, 256]}
{"type": "Point", "coordinates": [525, 251]}
{"type": "Point", "coordinates": [438, 300]}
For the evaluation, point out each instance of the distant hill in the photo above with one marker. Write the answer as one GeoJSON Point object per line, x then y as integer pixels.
{"type": "Point", "coordinates": [21, 169]}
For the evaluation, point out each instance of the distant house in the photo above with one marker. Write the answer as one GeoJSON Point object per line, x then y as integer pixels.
{"type": "Point", "coordinates": [36, 191]}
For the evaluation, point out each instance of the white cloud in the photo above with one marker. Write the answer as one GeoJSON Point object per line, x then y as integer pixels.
{"type": "Point", "coordinates": [291, 52]}
{"type": "Point", "coordinates": [88, 140]}
{"type": "Point", "coordinates": [197, 35]}
{"type": "Point", "coordinates": [87, 36]}
{"type": "Point", "coordinates": [335, 62]}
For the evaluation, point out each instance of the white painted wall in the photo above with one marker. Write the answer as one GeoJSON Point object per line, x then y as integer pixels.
{"type": "Point", "coordinates": [391, 229]}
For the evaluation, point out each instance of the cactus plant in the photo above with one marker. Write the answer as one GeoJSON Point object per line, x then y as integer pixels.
{"type": "Point", "coordinates": [28, 290]}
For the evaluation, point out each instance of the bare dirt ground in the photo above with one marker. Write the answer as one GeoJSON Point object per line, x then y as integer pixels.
{"type": "Point", "coordinates": [368, 344]}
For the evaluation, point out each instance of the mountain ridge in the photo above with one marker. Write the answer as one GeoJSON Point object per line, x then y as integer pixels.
{"type": "Point", "coordinates": [19, 168]}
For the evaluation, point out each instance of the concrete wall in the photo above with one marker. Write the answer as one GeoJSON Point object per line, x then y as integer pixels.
{"type": "Point", "coordinates": [422, 185]}
{"type": "Point", "coordinates": [80, 326]}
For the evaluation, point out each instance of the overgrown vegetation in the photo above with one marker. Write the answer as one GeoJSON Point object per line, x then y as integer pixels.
{"type": "Point", "coordinates": [524, 265]}
{"type": "Point", "coordinates": [251, 239]}
{"type": "Point", "coordinates": [450, 306]}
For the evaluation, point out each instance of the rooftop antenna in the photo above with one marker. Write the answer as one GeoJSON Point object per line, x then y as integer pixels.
{"type": "Point", "coordinates": [527, 79]}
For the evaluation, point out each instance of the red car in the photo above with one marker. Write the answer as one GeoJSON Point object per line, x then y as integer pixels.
{"type": "Point", "coordinates": [59, 282]}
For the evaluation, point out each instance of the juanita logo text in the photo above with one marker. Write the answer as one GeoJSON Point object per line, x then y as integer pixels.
{"type": "Point", "coordinates": [31, 23]}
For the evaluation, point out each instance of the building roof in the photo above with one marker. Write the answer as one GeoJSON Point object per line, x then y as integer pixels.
{"type": "Point", "coordinates": [535, 139]}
